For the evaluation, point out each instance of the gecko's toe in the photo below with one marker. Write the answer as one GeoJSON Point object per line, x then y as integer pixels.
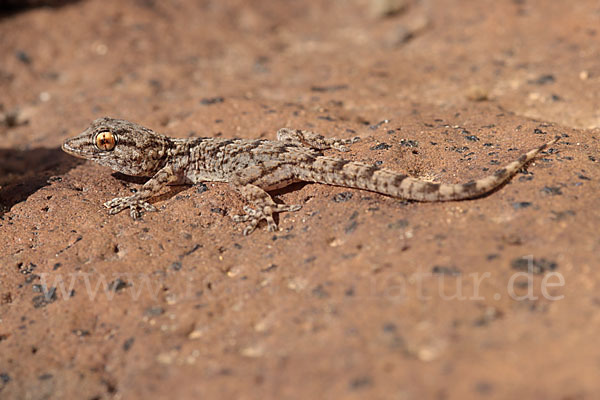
{"type": "Point", "coordinates": [116, 205]}
{"type": "Point", "coordinates": [135, 213]}
{"type": "Point", "coordinates": [147, 206]}
{"type": "Point", "coordinates": [240, 218]}
{"type": "Point", "coordinates": [254, 216]}
{"type": "Point", "coordinates": [136, 206]}
{"type": "Point", "coordinates": [286, 208]}
{"type": "Point", "coordinates": [251, 227]}
{"type": "Point", "coordinates": [340, 145]}
{"type": "Point", "coordinates": [271, 225]}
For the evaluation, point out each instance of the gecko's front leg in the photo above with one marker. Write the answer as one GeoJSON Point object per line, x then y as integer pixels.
{"type": "Point", "coordinates": [138, 202]}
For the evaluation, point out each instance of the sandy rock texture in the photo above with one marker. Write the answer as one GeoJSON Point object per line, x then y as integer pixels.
{"type": "Point", "coordinates": [358, 295]}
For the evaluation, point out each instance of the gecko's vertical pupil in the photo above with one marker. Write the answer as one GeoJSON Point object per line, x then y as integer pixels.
{"type": "Point", "coordinates": [105, 141]}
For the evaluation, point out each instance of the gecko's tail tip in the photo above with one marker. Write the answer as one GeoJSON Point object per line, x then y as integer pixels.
{"type": "Point", "coordinates": [550, 143]}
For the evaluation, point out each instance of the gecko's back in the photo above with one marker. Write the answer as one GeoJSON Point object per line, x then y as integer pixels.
{"type": "Point", "coordinates": [255, 166]}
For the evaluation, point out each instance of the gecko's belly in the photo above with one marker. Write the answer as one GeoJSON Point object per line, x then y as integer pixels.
{"type": "Point", "coordinates": [193, 177]}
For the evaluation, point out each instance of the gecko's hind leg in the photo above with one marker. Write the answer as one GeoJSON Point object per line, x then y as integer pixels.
{"type": "Point", "coordinates": [263, 208]}
{"type": "Point", "coordinates": [313, 140]}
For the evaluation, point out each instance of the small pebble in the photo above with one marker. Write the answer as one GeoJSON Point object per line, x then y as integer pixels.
{"type": "Point", "coordinates": [342, 197]}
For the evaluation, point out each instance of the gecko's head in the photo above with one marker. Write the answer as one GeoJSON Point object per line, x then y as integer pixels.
{"type": "Point", "coordinates": [121, 145]}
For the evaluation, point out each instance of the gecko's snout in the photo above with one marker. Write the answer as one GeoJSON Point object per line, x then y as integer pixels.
{"type": "Point", "coordinates": [68, 147]}
{"type": "Point", "coordinates": [77, 146]}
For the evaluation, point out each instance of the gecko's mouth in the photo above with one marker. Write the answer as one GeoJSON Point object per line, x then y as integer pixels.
{"type": "Point", "coordinates": [69, 149]}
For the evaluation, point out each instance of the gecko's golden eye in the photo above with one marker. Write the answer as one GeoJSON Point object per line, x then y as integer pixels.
{"type": "Point", "coordinates": [106, 141]}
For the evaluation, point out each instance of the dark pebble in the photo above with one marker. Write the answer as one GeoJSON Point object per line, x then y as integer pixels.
{"type": "Point", "coordinates": [26, 269]}
{"type": "Point", "coordinates": [443, 270]}
{"type": "Point", "coordinates": [552, 190]}
{"type": "Point", "coordinates": [45, 299]}
{"type": "Point", "coordinates": [117, 285]}
{"type": "Point", "coordinates": [4, 378]}
{"type": "Point", "coordinates": [326, 118]}
{"type": "Point", "coordinates": [212, 100]}
{"type": "Point", "coordinates": [409, 143]}
{"type": "Point", "coordinates": [176, 266]}
{"type": "Point", "coordinates": [472, 138]}
{"type": "Point", "coordinates": [331, 88]}
{"type": "Point", "coordinates": [320, 292]}
{"type": "Point", "coordinates": [538, 266]}
{"type": "Point", "coordinates": [399, 224]}
{"type": "Point", "coordinates": [560, 215]}
{"type": "Point", "coordinates": [381, 146]}
{"type": "Point", "coordinates": [351, 227]}
{"type": "Point", "coordinates": [342, 197]}
{"type": "Point", "coordinates": [193, 249]}
{"type": "Point", "coordinates": [128, 343]}
{"type": "Point", "coordinates": [521, 204]}
{"type": "Point", "coordinates": [45, 377]}
{"type": "Point", "coordinates": [361, 382]}
{"type": "Point", "coordinates": [460, 150]}
{"type": "Point", "coordinates": [483, 387]}
{"type": "Point", "coordinates": [283, 237]}
{"type": "Point", "coordinates": [377, 125]}
{"type": "Point", "coordinates": [201, 188]}
{"type": "Point", "coordinates": [270, 268]}
{"type": "Point", "coordinates": [23, 57]}
{"type": "Point", "coordinates": [218, 210]}
{"type": "Point", "coordinates": [543, 79]}
{"type": "Point", "coordinates": [154, 311]}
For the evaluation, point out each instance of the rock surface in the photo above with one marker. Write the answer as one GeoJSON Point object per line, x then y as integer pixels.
{"type": "Point", "coordinates": [359, 295]}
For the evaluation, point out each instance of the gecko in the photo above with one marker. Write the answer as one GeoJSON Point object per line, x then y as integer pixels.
{"type": "Point", "coordinates": [254, 167]}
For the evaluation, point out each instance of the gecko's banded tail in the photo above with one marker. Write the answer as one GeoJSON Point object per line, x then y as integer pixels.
{"type": "Point", "coordinates": [368, 177]}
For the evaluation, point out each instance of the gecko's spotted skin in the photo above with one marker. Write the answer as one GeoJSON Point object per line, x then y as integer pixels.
{"type": "Point", "coordinates": [254, 167]}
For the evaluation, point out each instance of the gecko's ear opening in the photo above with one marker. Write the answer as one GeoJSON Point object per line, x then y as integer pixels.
{"type": "Point", "coordinates": [105, 141]}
